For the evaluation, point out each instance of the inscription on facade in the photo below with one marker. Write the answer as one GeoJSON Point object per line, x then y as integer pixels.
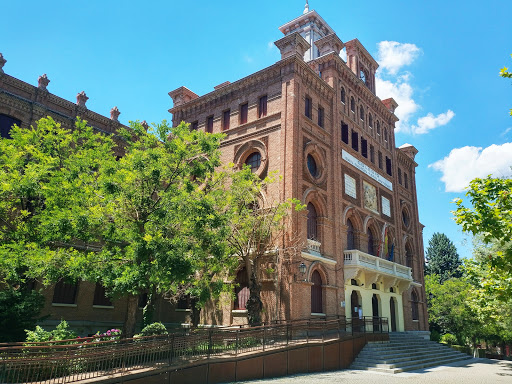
{"type": "Point", "coordinates": [386, 208]}
{"type": "Point", "coordinates": [366, 169]}
{"type": "Point", "coordinates": [350, 186]}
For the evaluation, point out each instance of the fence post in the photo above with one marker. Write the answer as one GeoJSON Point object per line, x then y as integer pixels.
{"type": "Point", "coordinates": [210, 332]}
{"type": "Point", "coordinates": [287, 342]}
{"type": "Point", "coordinates": [172, 348]}
{"type": "Point", "coordinates": [236, 348]}
{"type": "Point", "coordinates": [264, 334]}
{"type": "Point", "coordinates": [307, 332]}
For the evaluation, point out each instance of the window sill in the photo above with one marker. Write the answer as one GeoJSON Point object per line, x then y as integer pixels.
{"type": "Point", "coordinates": [103, 306]}
{"type": "Point", "coordinates": [415, 321]}
{"type": "Point", "coordinates": [183, 310]}
{"type": "Point", "coordinates": [239, 311]}
{"type": "Point", "coordinates": [64, 305]}
{"type": "Point", "coordinates": [318, 314]}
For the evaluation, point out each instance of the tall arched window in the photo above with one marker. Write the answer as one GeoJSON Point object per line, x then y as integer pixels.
{"type": "Point", "coordinates": [371, 240]}
{"type": "Point", "coordinates": [378, 127]}
{"type": "Point", "coordinates": [414, 305]}
{"type": "Point", "coordinates": [312, 222]}
{"type": "Point", "coordinates": [316, 293]}
{"type": "Point", "coordinates": [350, 235]}
{"type": "Point", "coordinates": [370, 120]}
{"type": "Point", "coordinates": [343, 96]}
{"type": "Point", "coordinates": [409, 257]}
{"type": "Point", "coordinates": [352, 104]}
{"type": "Point", "coordinates": [361, 112]}
{"type": "Point", "coordinates": [241, 289]}
{"type": "Point", "coordinates": [6, 123]}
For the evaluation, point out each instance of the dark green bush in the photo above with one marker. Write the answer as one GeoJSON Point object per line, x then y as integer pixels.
{"type": "Point", "coordinates": [153, 330]}
{"type": "Point", "coordinates": [62, 332]}
{"type": "Point", "coordinates": [19, 310]}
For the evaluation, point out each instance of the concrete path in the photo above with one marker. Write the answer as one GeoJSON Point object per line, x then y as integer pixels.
{"type": "Point", "coordinates": [474, 371]}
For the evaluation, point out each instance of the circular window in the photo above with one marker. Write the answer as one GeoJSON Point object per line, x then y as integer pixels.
{"type": "Point", "coordinates": [253, 161]}
{"type": "Point", "coordinates": [313, 169]}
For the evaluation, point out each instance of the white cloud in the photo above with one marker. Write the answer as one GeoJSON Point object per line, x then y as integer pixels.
{"type": "Point", "coordinates": [429, 122]}
{"type": "Point", "coordinates": [464, 164]}
{"type": "Point", "coordinates": [392, 82]}
{"type": "Point", "coordinates": [343, 54]}
{"type": "Point", "coordinates": [505, 132]}
{"type": "Point", "coordinates": [401, 91]}
{"type": "Point", "coordinates": [392, 55]}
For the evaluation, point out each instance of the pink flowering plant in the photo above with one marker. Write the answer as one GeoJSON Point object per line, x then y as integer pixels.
{"type": "Point", "coordinates": [111, 334]}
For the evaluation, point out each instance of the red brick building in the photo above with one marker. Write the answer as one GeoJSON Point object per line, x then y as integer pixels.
{"type": "Point", "coordinates": [316, 120]}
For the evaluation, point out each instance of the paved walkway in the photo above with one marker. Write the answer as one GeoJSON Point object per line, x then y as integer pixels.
{"type": "Point", "coordinates": [475, 371]}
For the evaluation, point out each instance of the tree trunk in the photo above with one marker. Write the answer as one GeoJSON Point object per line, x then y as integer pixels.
{"type": "Point", "coordinates": [131, 316]}
{"type": "Point", "coordinates": [149, 309]}
{"type": "Point", "coordinates": [254, 304]}
{"type": "Point", "coordinates": [196, 312]}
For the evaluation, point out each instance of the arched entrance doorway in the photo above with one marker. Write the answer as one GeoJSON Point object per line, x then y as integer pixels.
{"type": "Point", "coordinates": [392, 311]}
{"type": "Point", "coordinates": [316, 293]}
{"type": "Point", "coordinates": [375, 313]}
{"type": "Point", "coordinates": [354, 310]}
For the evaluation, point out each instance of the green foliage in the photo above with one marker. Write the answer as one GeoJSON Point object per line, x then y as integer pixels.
{"type": "Point", "coordinates": [507, 75]}
{"type": "Point", "coordinates": [490, 218]}
{"type": "Point", "coordinates": [19, 310]}
{"type": "Point", "coordinates": [154, 329]}
{"type": "Point", "coordinates": [442, 258]}
{"type": "Point", "coordinates": [450, 309]}
{"type": "Point", "coordinates": [61, 332]}
{"type": "Point", "coordinates": [448, 338]}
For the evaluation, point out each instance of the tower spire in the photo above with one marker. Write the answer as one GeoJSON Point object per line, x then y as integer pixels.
{"type": "Point", "coordinates": [306, 8]}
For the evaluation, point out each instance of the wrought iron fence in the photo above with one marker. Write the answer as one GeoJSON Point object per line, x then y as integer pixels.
{"type": "Point", "coordinates": [80, 359]}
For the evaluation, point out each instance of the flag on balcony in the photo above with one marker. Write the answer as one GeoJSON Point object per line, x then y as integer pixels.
{"type": "Point", "coordinates": [390, 258]}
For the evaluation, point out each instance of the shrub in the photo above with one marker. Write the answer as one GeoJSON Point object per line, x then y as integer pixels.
{"type": "Point", "coordinates": [449, 339]}
{"type": "Point", "coordinates": [62, 332]}
{"type": "Point", "coordinates": [153, 330]}
{"type": "Point", "coordinates": [435, 336]}
{"type": "Point", "coordinates": [19, 310]}
{"type": "Point", "coordinates": [111, 334]}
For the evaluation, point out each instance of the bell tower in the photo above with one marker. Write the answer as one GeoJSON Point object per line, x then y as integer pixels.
{"type": "Point", "coordinates": [361, 63]}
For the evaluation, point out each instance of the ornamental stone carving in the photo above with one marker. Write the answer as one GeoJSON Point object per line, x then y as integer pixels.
{"type": "Point", "coordinates": [145, 125]}
{"type": "Point", "coordinates": [81, 99]}
{"type": "Point", "coordinates": [292, 44]}
{"type": "Point", "coordinates": [2, 63]}
{"type": "Point", "coordinates": [114, 114]}
{"type": "Point", "coordinates": [42, 82]}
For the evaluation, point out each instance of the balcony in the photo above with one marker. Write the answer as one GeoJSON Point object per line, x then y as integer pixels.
{"type": "Point", "coordinates": [312, 253]}
{"type": "Point", "coordinates": [358, 264]}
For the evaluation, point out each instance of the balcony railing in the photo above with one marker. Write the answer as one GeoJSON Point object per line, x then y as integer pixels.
{"type": "Point", "coordinates": [355, 259]}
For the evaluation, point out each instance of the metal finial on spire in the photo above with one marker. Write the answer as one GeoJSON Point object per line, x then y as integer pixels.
{"type": "Point", "coordinates": [306, 8]}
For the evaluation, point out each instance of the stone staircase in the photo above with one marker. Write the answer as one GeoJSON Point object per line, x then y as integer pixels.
{"type": "Point", "coordinates": [405, 352]}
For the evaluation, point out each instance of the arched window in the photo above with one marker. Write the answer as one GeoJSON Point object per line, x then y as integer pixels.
{"type": "Point", "coordinates": [254, 161]}
{"type": "Point", "coordinates": [312, 167]}
{"type": "Point", "coordinates": [409, 257]}
{"type": "Point", "coordinates": [312, 222]}
{"type": "Point", "coordinates": [385, 134]}
{"type": "Point", "coordinates": [6, 123]}
{"type": "Point", "coordinates": [241, 289]}
{"type": "Point", "coordinates": [316, 293]}
{"type": "Point", "coordinates": [361, 112]}
{"type": "Point", "coordinates": [343, 95]}
{"type": "Point", "coordinates": [378, 127]}
{"type": "Point", "coordinates": [350, 235]}
{"type": "Point", "coordinates": [370, 120]}
{"type": "Point", "coordinates": [414, 305]}
{"type": "Point", "coordinates": [371, 240]}
{"type": "Point", "coordinates": [352, 104]}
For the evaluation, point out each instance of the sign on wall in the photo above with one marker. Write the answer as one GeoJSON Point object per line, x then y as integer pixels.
{"type": "Point", "coordinates": [366, 169]}
{"type": "Point", "coordinates": [386, 208]}
{"type": "Point", "coordinates": [350, 186]}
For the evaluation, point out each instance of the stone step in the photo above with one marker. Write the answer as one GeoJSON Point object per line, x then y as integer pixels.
{"type": "Point", "coordinates": [411, 367]}
{"type": "Point", "coordinates": [402, 348]}
{"type": "Point", "coordinates": [405, 352]}
{"type": "Point", "coordinates": [369, 360]}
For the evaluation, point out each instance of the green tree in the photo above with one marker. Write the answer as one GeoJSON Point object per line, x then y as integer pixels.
{"type": "Point", "coordinates": [258, 223]}
{"type": "Point", "coordinates": [150, 221]}
{"type": "Point", "coordinates": [19, 310]}
{"type": "Point", "coordinates": [450, 309]}
{"type": "Point", "coordinates": [442, 258]}
{"type": "Point", "coordinates": [491, 218]}
{"type": "Point", "coordinates": [507, 75]}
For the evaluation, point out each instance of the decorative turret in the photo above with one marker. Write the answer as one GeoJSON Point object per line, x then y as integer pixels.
{"type": "Point", "coordinates": [292, 44]}
{"type": "Point", "coordinates": [361, 63]}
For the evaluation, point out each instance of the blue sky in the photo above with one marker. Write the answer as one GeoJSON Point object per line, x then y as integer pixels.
{"type": "Point", "coordinates": [439, 59]}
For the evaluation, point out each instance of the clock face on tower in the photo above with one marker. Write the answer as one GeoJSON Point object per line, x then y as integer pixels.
{"type": "Point", "coordinates": [362, 76]}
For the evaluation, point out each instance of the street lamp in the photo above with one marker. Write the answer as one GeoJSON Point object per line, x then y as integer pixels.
{"type": "Point", "coordinates": [302, 268]}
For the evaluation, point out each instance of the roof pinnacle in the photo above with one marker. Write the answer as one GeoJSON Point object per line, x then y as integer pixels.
{"type": "Point", "coordinates": [306, 8]}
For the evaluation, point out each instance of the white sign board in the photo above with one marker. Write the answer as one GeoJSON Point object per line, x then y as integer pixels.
{"type": "Point", "coordinates": [386, 208]}
{"type": "Point", "coordinates": [366, 169]}
{"type": "Point", "coordinates": [350, 186]}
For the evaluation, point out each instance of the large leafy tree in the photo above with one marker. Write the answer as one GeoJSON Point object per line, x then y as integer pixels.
{"type": "Point", "coordinates": [149, 221]}
{"type": "Point", "coordinates": [442, 258]}
{"type": "Point", "coordinates": [258, 223]}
